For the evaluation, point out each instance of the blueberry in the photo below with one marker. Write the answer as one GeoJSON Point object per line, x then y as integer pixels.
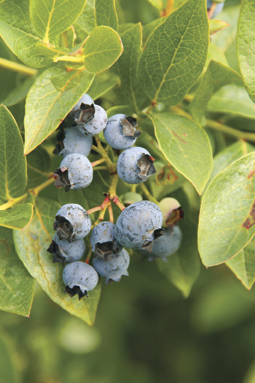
{"type": "Point", "coordinates": [135, 165]}
{"type": "Point", "coordinates": [120, 131]}
{"type": "Point", "coordinates": [166, 245]}
{"type": "Point", "coordinates": [138, 225]}
{"type": "Point", "coordinates": [73, 141]}
{"type": "Point", "coordinates": [171, 210]}
{"type": "Point", "coordinates": [75, 172]}
{"type": "Point", "coordinates": [218, 9]}
{"type": "Point", "coordinates": [84, 110]}
{"type": "Point", "coordinates": [103, 241]}
{"type": "Point", "coordinates": [72, 222]}
{"type": "Point", "coordinates": [66, 251]}
{"type": "Point", "coordinates": [96, 124]}
{"type": "Point", "coordinates": [113, 269]}
{"type": "Point", "coordinates": [79, 278]}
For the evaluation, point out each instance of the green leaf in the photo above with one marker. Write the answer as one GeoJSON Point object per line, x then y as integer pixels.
{"type": "Point", "coordinates": [32, 244]}
{"type": "Point", "coordinates": [217, 25]}
{"type": "Point", "coordinates": [233, 100]}
{"type": "Point", "coordinates": [16, 285]}
{"type": "Point", "coordinates": [52, 17]}
{"type": "Point", "coordinates": [175, 54]}
{"type": "Point", "coordinates": [149, 28]}
{"type": "Point", "coordinates": [19, 34]}
{"type": "Point", "coordinates": [246, 45]}
{"type": "Point", "coordinates": [130, 92]}
{"type": "Point", "coordinates": [157, 4]}
{"type": "Point", "coordinates": [183, 267]}
{"type": "Point", "coordinates": [86, 22]}
{"type": "Point", "coordinates": [227, 212]}
{"type": "Point", "coordinates": [216, 54]}
{"type": "Point", "coordinates": [102, 83]}
{"type": "Point", "coordinates": [216, 76]}
{"type": "Point", "coordinates": [17, 217]}
{"type": "Point", "coordinates": [106, 13]}
{"type": "Point", "coordinates": [38, 167]}
{"type": "Point", "coordinates": [227, 36]}
{"type": "Point", "coordinates": [19, 93]}
{"type": "Point", "coordinates": [186, 146]}
{"type": "Point", "coordinates": [101, 49]}
{"type": "Point", "coordinates": [229, 155]}
{"type": "Point", "coordinates": [9, 363]}
{"type": "Point", "coordinates": [49, 100]}
{"type": "Point", "coordinates": [242, 265]}
{"type": "Point", "coordinates": [13, 174]}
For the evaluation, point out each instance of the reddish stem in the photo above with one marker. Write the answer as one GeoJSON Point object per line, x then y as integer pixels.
{"type": "Point", "coordinates": [110, 213]}
{"type": "Point", "coordinates": [117, 202]}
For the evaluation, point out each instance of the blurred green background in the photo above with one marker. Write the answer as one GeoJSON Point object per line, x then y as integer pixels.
{"type": "Point", "coordinates": [145, 332]}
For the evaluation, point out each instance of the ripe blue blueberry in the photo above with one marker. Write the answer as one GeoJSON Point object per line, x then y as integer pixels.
{"type": "Point", "coordinates": [120, 131]}
{"type": "Point", "coordinates": [103, 241]}
{"type": "Point", "coordinates": [79, 278]}
{"type": "Point", "coordinates": [113, 269]}
{"type": "Point", "coordinates": [165, 245]}
{"type": "Point", "coordinates": [85, 99]}
{"type": "Point", "coordinates": [73, 141]}
{"type": "Point", "coordinates": [135, 165]}
{"type": "Point", "coordinates": [218, 8]}
{"type": "Point", "coordinates": [84, 110]}
{"type": "Point", "coordinates": [72, 222]}
{"type": "Point", "coordinates": [96, 124]}
{"type": "Point", "coordinates": [64, 251]}
{"type": "Point", "coordinates": [138, 225]}
{"type": "Point", "coordinates": [75, 172]}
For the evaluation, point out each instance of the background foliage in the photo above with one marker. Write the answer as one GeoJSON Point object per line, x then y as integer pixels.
{"type": "Point", "coordinates": [178, 321]}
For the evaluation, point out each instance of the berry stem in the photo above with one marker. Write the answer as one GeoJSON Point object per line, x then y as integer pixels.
{"type": "Point", "coordinates": [39, 188]}
{"type": "Point", "coordinates": [103, 206]}
{"type": "Point", "coordinates": [111, 166]}
{"type": "Point", "coordinates": [113, 186]}
{"type": "Point", "coordinates": [110, 213]}
{"type": "Point", "coordinates": [148, 194]}
{"type": "Point", "coordinates": [118, 203]}
{"type": "Point", "coordinates": [15, 67]}
{"type": "Point", "coordinates": [89, 255]}
{"type": "Point", "coordinates": [100, 168]}
{"type": "Point", "coordinates": [247, 136]}
{"type": "Point", "coordinates": [98, 162]}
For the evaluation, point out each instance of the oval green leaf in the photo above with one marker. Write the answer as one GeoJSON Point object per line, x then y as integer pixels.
{"type": "Point", "coordinates": [175, 53]}
{"type": "Point", "coordinates": [243, 265]}
{"type": "Point", "coordinates": [19, 34]}
{"type": "Point", "coordinates": [50, 99]}
{"type": "Point", "coordinates": [186, 146]}
{"type": "Point", "coordinates": [52, 17]}
{"type": "Point", "coordinates": [246, 45]}
{"type": "Point", "coordinates": [32, 244]}
{"type": "Point", "coordinates": [16, 284]}
{"type": "Point", "coordinates": [13, 174]}
{"type": "Point", "coordinates": [17, 217]}
{"type": "Point", "coordinates": [106, 13]}
{"type": "Point", "coordinates": [227, 216]}
{"type": "Point", "coordinates": [234, 100]}
{"type": "Point", "coordinates": [102, 48]}
{"type": "Point", "coordinates": [216, 76]}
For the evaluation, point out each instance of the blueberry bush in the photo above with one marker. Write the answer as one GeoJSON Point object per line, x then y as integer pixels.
{"type": "Point", "coordinates": [127, 136]}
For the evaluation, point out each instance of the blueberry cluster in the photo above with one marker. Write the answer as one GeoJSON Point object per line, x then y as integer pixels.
{"type": "Point", "coordinates": [140, 225]}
